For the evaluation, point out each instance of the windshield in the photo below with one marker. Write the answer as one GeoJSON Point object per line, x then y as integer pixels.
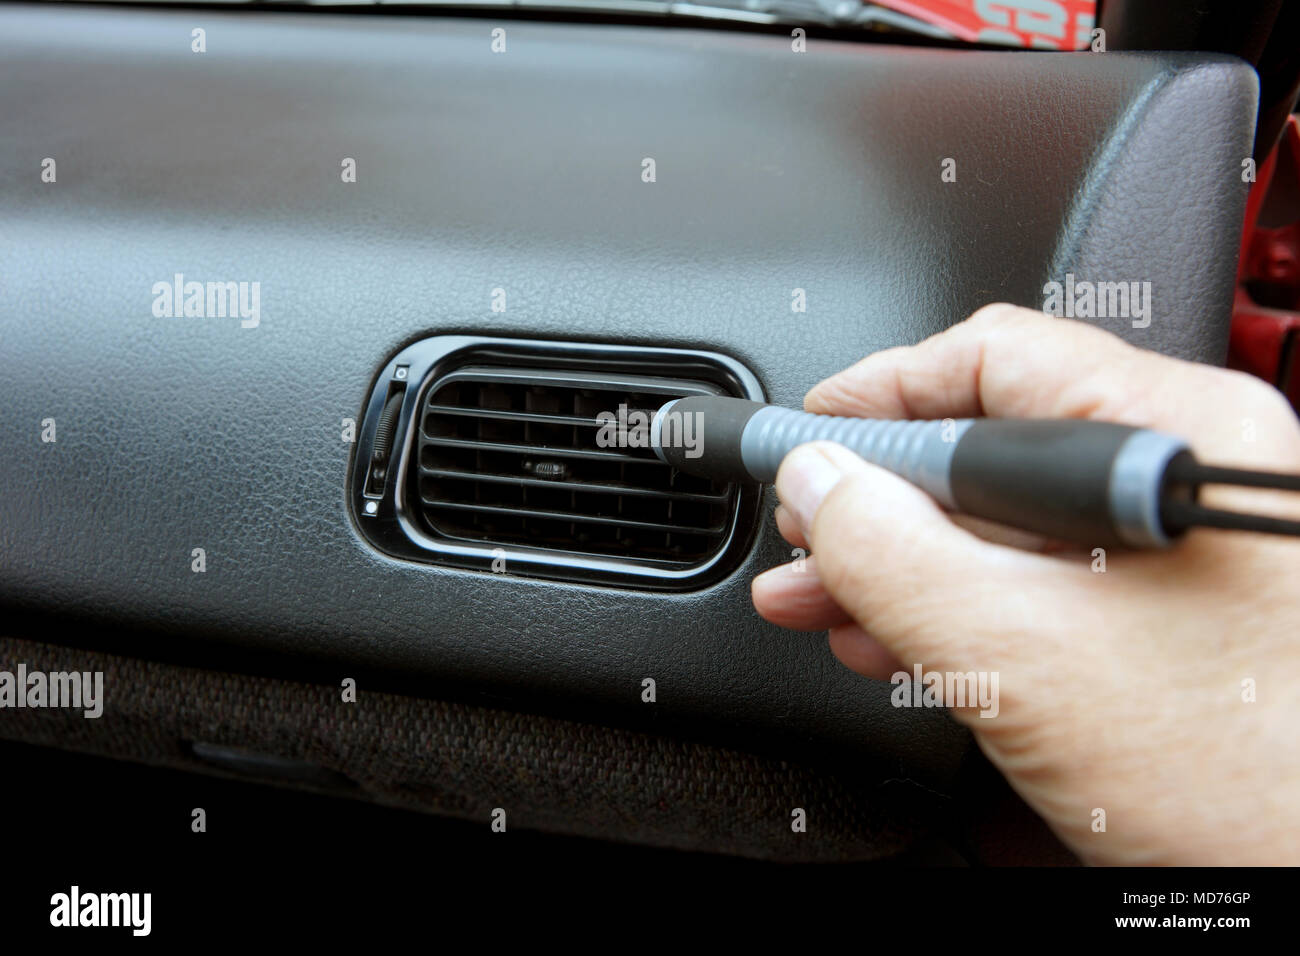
{"type": "Point", "coordinates": [1037, 24]}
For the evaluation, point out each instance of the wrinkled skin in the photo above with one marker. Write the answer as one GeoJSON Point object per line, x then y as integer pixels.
{"type": "Point", "coordinates": [1125, 691]}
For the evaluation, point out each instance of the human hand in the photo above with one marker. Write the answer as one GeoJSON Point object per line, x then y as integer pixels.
{"type": "Point", "coordinates": [1160, 687]}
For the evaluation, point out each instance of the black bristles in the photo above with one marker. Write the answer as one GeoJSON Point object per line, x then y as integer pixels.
{"type": "Point", "coordinates": [1191, 472]}
{"type": "Point", "coordinates": [1178, 513]}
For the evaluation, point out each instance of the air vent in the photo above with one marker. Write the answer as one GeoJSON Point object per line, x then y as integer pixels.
{"type": "Point", "coordinates": [504, 464]}
{"type": "Point", "coordinates": [512, 457]}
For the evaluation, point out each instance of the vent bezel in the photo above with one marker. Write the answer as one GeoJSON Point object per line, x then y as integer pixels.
{"type": "Point", "coordinates": [389, 522]}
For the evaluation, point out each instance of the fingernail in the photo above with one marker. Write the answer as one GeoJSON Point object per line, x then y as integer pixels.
{"type": "Point", "coordinates": [762, 581]}
{"type": "Point", "coordinates": [807, 478]}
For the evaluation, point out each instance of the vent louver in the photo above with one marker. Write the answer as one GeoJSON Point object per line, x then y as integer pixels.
{"type": "Point", "coordinates": [501, 468]}
{"type": "Point", "coordinates": [511, 457]}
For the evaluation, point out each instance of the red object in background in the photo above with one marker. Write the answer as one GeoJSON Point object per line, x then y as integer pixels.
{"type": "Point", "coordinates": [1046, 24]}
{"type": "Point", "coordinates": [1265, 339]}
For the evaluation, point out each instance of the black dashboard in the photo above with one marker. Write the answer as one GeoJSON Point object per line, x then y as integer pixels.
{"type": "Point", "coordinates": [504, 195]}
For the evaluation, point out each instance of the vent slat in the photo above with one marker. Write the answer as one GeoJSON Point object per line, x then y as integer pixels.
{"type": "Point", "coordinates": [568, 516]}
{"type": "Point", "coordinates": [576, 486]}
{"type": "Point", "coordinates": [511, 416]}
{"type": "Point", "coordinates": [548, 451]}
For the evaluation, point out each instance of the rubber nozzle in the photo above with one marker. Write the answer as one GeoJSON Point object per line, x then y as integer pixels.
{"type": "Point", "coordinates": [701, 435]}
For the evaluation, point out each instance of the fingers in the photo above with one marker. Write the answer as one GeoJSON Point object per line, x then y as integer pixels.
{"type": "Point", "coordinates": [1011, 362]}
{"type": "Point", "coordinates": [792, 596]}
{"type": "Point", "coordinates": [860, 652]}
{"type": "Point", "coordinates": [923, 588]}
{"type": "Point", "coordinates": [795, 598]}
{"type": "Point", "coordinates": [789, 528]}
{"type": "Point", "coordinates": [1002, 361]}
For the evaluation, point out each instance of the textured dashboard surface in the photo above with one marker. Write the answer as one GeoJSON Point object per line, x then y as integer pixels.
{"type": "Point", "coordinates": [521, 171]}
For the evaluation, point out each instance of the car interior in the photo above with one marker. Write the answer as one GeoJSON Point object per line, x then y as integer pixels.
{"type": "Point", "coordinates": [308, 311]}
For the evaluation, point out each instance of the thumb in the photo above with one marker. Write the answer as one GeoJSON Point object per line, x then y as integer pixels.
{"type": "Point", "coordinates": [929, 591]}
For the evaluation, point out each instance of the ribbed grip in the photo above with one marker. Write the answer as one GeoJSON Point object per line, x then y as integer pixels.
{"type": "Point", "coordinates": [919, 451]}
